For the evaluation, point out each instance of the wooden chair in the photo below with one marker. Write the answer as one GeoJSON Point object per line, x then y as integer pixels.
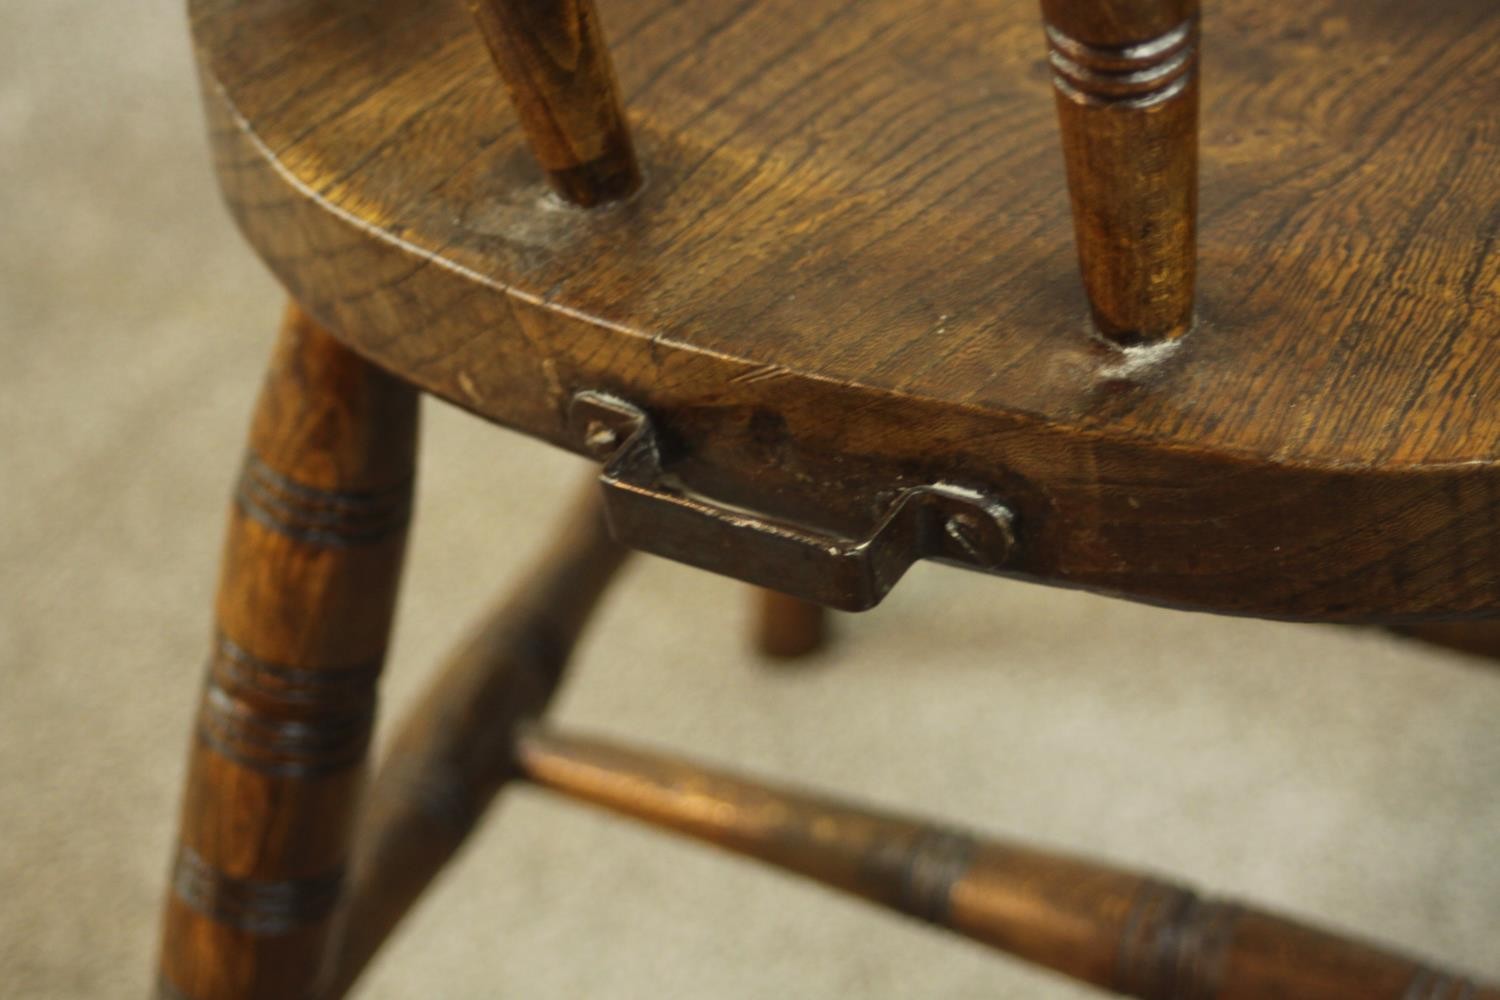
{"type": "Point", "coordinates": [812, 303]}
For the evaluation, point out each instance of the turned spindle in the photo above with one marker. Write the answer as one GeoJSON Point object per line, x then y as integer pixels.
{"type": "Point", "coordinates": [1115, 929]}
{"type": "Point", "coordinates": [310, 570]}
{"type": "Point", "coordinates": [1125, 73]}
{"type": "Point", "coordinates": [552, 56]}
{"type": "Point", "coordinates": [452, 753]}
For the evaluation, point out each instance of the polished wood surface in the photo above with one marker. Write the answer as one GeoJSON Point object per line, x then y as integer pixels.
{"type": "Point", "coordinates": [1118, 930]}
{"type": "Point", "coordinates": [452, 753]}
{"type": "Point", "coordinates": [851, 269]}
{"type": "Point", "coordinates": [311, 566]}
{"type": "Point", "coordinates": [1126, 77]}
{"type": "Point", "coordinates": [555, 63]}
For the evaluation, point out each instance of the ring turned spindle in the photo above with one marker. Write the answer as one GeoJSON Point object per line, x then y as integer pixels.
{"type": "Point", "coordinates": [1126, 77]}
{"type": "Point", "coordinates": [1120, 930]}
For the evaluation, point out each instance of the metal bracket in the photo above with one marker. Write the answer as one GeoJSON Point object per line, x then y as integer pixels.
{"type": "Point", "coordinates": [646, 510]}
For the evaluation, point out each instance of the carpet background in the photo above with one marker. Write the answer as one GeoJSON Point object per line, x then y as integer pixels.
{"type": "Point", "coordinates": [1337, 774]}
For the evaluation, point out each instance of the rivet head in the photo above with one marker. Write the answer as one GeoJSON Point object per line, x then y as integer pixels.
{"type": "Point", "coordinates": [600, 438]}
{"type": "Point", "coordinates": [964, 530]}
{"type": "Point", "coordinates": [980, 537]}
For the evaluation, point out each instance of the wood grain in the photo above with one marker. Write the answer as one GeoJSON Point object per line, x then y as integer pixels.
{"type": "Point", "coordinates": [852, 271]}
{"type": "Point", "coordinates": [1118, 930]}
{"type": "Point", "coordinates": [555, 63]}
{"type": "Point", "coordinates": [311, 565]}
{"type": "Point", "coordinates": [1126, 77]}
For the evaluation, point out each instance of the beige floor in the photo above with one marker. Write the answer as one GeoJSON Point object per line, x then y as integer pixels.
{"type": "Point", "coordinates": [1337, 774]}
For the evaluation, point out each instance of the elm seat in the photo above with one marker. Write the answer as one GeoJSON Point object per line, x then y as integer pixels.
{"type": "Point", "coordinates": [852, 210]}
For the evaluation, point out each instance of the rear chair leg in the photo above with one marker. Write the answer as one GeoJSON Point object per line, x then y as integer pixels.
{"type": "Point", "coordinates": [788, 627]}
{"type": "Point", "coordinates": [308, 586]}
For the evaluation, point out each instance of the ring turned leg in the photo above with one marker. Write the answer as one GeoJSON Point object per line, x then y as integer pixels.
{"type": "Point", "coordinates": [316, 538]}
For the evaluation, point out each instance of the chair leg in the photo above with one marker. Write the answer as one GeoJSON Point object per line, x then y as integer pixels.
{"type": "Point", "coordinates": [311, 565]}
{"type": "Point", "coordinates": [452, 754]}
{"type": "Point", "coordinates": [788, 627]}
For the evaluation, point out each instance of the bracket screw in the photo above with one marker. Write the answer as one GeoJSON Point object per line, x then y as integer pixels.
{"type": "Point", "coordinates": [600, 438]}
{"type": "Point", "coordinates": [962, 529]}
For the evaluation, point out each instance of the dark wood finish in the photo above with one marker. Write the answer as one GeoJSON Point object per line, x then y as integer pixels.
{"type": "Point", "coordinates": [1480, 638]}
{"type": "Point", "coordinates": [787, 627]}
{"type": "Point", "coordinates": [553, 58]}
{"type": "Point", "coordinates": [1122, 931]}
{"type": "Point", "coordinates": [452, 753]}
{"type": "Point", "coordinates": [1126, 77]}
{"type": "Point", "coordinates": [852, 271]}
{"type": "Point", "coordinates": [311, 565]}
